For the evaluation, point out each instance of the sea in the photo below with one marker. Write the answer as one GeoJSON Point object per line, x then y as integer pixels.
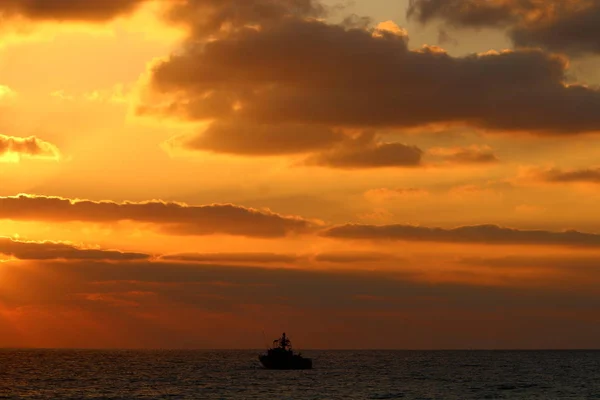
{"type": "Point", "coordinates": [202, 374]}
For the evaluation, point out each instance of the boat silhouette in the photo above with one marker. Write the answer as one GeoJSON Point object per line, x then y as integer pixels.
{"type": "Point", "coordinates": [281, 356]}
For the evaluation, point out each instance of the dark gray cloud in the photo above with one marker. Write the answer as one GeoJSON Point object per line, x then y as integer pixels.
{"type": "Point", "coordinates": [298, 71]}
{"type": "Point", "coordinates": [30, 250]}
{"type": "Point", "coordinates": [479, 234]}
{"type": "Point", "coordinates": [557, 25]}
{"type": "Point", "coordinates": [68, 10]}
{"type": "Point", "coordinates": [174, 218]}
{"type": "Point", "coordinates": [349, 257]}
{"type": "Point", "coordinates": [260, 258]}
{"type": "Point", "coordinates": [563, 263]}
{"type": "Point", "coordinates": [366, 152]}
{"type": "Point", "coordinates": [590, 175]}
{"type": "Point", "coordinates": [208, 17]}
{"type": "Point", "coordinates": [261, 139]}
{"type": "Point", "coordinates": [326, 146]}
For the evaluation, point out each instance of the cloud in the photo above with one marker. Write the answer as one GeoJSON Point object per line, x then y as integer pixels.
{"type": "Point", "coordinates": [567, 264]}
{"type": "Point", "coordinates": [30, 250]}
{"type": "Point", "coordinates": [211, 17]}
{"type": "Point", "coordinates": [366, 152]}
{"type": "Point", "coordinates": [310, 86]}
{"type": "Point", "coordinates": [174, 218]}
{"type": "Point", "coordinates": [260, 139]}
{"type": "Point", "coordinates": [571, 26]}
{"type": "Point", "coordinates": [350, 257]}
{"type": "Point", "coordinates": [585, 175]}
{"type": "Point", "coordinates": [309, 72]}
{"type": "Point", "coordinates": [475, 13]}
{"type": "Point", "coordinates": [325, 146]}
{"type": "Point", "coordinates": [15, 148]}
{"type": "Point", "coordinates": [68, 10]}
{"type": "Point", "coordinates": [465, 155]}
{"type": "Point", "coordinates": [175, 304]}
{"type": "Point", "coordinates": [478, 234]}
{"type": "Point", "coordinates": [444, 37]}
{"type": "Point", "coordinates": [261, 258]}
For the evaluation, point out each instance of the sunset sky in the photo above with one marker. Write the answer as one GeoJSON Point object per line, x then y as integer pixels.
{"type": "Point", "coordinates": [360, 174]}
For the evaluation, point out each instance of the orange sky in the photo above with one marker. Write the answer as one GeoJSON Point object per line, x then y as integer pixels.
{"type": "Point", "coordinates": [187, 174]}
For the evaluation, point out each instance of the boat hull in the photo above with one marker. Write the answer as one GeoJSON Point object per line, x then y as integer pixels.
{"type": "Point", "coordinates": [285, 363]}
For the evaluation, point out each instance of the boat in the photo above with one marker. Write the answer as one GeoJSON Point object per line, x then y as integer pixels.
{"type": "Point", "coordinates": [281, 356]}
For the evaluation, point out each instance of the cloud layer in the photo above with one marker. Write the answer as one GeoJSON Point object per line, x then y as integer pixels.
{"type": "Point", "coordinates": [246, 258]}
{"type": "Point", "coordinates": [584, 175]}
{"type": "Point", "coordinates": [30, 250]}
{"type": "Point", "coordinates": [571, 26]}
{"type": "Point", "coordinates": [173, 218]}
{"type": "Point", "coordinates": [68, 10]}
{"type": "Point", "coordinates": [479, 234]}
{"type": "Point", "coordinates": [159, 304]}
{"type": "Point", "coordinates": [310, 72]}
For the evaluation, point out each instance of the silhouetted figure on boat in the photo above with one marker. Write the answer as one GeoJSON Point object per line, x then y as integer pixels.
{"type": "Point", "coordinates": [281, 356]}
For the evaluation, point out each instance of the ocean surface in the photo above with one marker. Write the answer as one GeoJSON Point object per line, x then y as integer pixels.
{"type": "Point", "coordinates": [124, 374]}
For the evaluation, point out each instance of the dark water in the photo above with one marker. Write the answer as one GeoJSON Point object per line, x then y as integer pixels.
{"type": "Point", "coordinates": [82, 374]}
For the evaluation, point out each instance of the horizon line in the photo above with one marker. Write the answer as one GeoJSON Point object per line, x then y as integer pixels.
{"type": "Point", "coordinates": [300, 350]}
